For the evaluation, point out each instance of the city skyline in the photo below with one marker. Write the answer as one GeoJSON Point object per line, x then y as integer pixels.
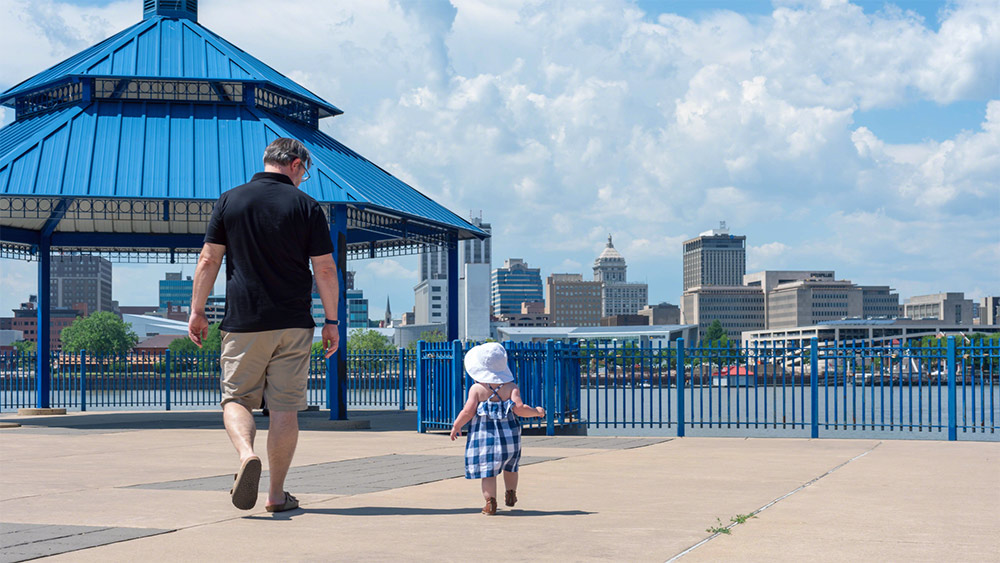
{"type": "Point", "coordinates": [693, 117]}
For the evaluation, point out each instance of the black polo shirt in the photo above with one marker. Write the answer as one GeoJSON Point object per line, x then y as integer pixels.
{"type": "Point", "coordinates": [270, 229]}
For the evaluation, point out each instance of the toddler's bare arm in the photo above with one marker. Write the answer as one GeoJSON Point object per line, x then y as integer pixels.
{"type": "Point", "coordinates": [468, 411]}
{"type": "Point", "coordinates": [523, 410]}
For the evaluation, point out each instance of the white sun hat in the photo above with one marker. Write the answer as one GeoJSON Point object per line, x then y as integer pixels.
{"type": "Point", "coordinates": [487, 363]}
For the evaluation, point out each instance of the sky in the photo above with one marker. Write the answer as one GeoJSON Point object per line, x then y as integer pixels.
{"type": "Point", "coordinates": [861, 137]}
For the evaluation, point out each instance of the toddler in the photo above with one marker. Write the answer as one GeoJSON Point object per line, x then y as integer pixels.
{"type": "Point", "coordinates": [493, 406]}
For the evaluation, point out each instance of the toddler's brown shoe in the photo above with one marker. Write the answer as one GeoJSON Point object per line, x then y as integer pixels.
{"type": "Point", "coordinates": [510, 497]}
{"type": "Point", "coordinates": [491, 506]}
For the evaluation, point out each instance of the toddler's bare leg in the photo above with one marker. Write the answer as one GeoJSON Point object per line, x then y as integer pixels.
{"type": "Point", "coordinates": [489, 487]}
{"type": "Point", "coordinates": [510, 480]}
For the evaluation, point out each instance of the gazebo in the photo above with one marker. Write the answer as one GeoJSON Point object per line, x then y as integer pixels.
{"type": "Point", "coordinates": [122, 149]}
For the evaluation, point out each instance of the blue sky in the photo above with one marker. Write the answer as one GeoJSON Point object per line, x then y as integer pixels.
{"type": "Point", "coordinates": [862, 137]}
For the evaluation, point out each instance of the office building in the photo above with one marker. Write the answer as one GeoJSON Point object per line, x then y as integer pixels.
{"type": "Point", "coordinates": [433, 263]}
{"type": "Point", "coordinates": [625, 320]}
{"type": "Point", "coordinates": [891, 332]}
{"type": "Point", "coordinates": [513, 284]}
{"type": "Point", "coordinates": [475, 251]}
{"type": "Point", "coordinates": [357, 309]}
{"type": "Point", "coordinates": [738, 308]}
{"type": "Point", "coordinates": [26, 321]}
{"type": "Point", "coordinates": [532, 314]}
{"type": "Point", "coordinates": [989, 311]}
{"type": "Point", "coordinates": [662, 314]}
{"type": "Point", "coordinates": [951, 308]}
{"type": "Point", "coordinates": [474, 285]}
{"type": "Point", "coordinates": [215, 308]}
{"type": "Point", "coordinates": [175, 292]}
{"type": "Point", "coordinates": [618, 296]}
{"type": "Point", "coordinates": [714, 257]}
{"type": "Point", "coordinates": [571, 301]}
{"type": "Point", "coordinates": [879, 302]}
{"type": "Point", "coordinates": [769, 279]}
{"type": "Point", "coordinates": [474, 302]}
{"type": "Point", "coordinates": [809, 302]}
{"type": "Point", "coordinates": [430, 302]}
{"type": "Point", "coordinates": [655, 336]}
{"type": "Point", "coordinates": [82, 279]}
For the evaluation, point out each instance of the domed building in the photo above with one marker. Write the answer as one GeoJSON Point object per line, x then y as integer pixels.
{"type": "Point", "coordinates": [618, 297]}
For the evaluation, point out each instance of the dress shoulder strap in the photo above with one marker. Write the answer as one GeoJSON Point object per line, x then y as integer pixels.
{"type": "Point", "coordinates": [496, 392]}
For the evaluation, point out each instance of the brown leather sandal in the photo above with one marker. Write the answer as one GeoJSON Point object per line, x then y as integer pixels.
{"type": "Point", "coordinates": [510, 497]}
{"type": "Point", "coordinates": [491, 506]}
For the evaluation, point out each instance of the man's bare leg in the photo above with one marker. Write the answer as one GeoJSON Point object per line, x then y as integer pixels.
{"type": "Point", "coordinates": [282, 437]}
{"type": "Point", "coordinates": [241, 428]}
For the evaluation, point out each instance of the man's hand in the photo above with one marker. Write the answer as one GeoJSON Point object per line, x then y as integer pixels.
{"type": "Point", "coordinates": [197, 327]}
{"type": "Point", "coordinates": [331, 339]}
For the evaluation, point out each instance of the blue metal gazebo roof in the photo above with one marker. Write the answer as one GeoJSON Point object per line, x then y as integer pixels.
{"type": "Point", "coordinates": [166, 47]}
{"type": "Point", "coordinates": [162, 118]}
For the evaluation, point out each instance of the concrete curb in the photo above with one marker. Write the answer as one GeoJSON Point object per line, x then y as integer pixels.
{"type": "Point", "coordinates": [40, 412]}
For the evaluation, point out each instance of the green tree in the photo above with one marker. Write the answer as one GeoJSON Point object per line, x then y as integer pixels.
{"type": "Point", "coordinates": [428, 336]}
{"type": "Point", "coordinates": [25, 347]}
{"type": "Point", "coordinates": [100, 333]}
{"type": "Point", "coordinates": [368, 340]}
{"type": "Point", "coordinates": [716, 336]}
{"type": "Point", "coordinates": [183, 345]}
{"type": "Point", "coordinates": [211, 343]}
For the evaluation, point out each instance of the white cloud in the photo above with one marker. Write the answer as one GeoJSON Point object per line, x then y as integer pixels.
{"type": "Point", "coordinates": [566, 121]}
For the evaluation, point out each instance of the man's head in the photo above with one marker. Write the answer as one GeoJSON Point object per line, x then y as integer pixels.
{"type": "Point", "coordinates": [289, 157]}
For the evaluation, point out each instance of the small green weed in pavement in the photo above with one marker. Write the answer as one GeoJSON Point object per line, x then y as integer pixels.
{"type": "Point", "coordinates": [718, 528]}
{"type": "Point", "coordinates": [741, 518]}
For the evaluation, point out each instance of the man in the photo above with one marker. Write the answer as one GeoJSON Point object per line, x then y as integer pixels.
{"type": "Point", "coordinates": [268, 231]}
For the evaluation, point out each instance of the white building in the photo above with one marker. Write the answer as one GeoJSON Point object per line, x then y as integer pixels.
{"type": "Point", "coordinates": [618, 296]}
{"type": "Point", "coordinates": [950, 308]}
{"type": "Point", "coordinates": [648, 335]}
{"type": "Point", "coordinates": [875, 331]}
{"type": "Point", "coordinates": [474, 302]}
{"type": "Point", "coordinates": [430, 302]}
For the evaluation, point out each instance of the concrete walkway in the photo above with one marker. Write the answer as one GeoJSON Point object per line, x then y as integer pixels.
{"type": "Point", "coordinates": [153, 487]}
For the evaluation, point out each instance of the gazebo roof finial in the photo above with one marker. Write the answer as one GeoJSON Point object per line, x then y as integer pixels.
{"type": "Point", "coordinates": [185, 9]}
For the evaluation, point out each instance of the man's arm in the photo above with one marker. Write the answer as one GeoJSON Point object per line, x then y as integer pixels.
{"type": "Point", "coordinates": [325, 270]}
{"type": "Point", "coordinates": [205, 273]}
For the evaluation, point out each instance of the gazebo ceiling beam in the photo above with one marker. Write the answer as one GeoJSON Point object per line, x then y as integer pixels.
{"type": "Point", "coordinates": [57, 214]}
{"type": "Point", "coordinates": [19, 236]}
{"type": "Point", "coordinates": [133, 240]}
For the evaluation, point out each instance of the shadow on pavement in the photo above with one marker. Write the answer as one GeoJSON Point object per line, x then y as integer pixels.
{"type": "Point", "coordinates": [409, 511]}
{"type": "Point", "coordinates": [207, 419]}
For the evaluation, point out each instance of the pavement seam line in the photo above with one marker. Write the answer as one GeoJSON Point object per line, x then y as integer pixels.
{"type": "Point", "coordinates": [772, 503]}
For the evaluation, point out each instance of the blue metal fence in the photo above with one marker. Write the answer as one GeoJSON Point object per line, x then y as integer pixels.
{"type": "Point", "coordinates": [948, 389]}
{"type": "Point", "coordinates": [834, 390]}
{"type": "Point", "coordinates": [170, 380]}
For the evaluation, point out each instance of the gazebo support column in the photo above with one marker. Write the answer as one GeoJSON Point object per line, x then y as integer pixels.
{"type": "Point", "coordinates": [336, 367]}
{"type": "Point", "coordinates": [43, 349]}
{"type": "Point", "coordinates": [452, 287]}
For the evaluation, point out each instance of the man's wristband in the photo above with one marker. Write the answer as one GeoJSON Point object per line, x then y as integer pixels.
{"type": "Point", "coordinates": [329, 322]}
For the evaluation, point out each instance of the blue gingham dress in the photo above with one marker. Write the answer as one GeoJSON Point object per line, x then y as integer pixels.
{"type": "Point", "coordinates": [494, 441]}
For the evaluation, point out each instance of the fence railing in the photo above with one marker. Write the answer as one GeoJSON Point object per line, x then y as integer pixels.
{"type": "Point", "coordinates": [171, 380]}
{"type": "Point", "coordinates": [839, 390]}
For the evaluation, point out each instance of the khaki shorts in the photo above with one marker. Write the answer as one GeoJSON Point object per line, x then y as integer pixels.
{"type": "Point", "coordinates": [272, 365]}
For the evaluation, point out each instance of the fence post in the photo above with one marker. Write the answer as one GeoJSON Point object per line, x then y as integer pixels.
{"type": "Point", "coordinates": [814, 383]}
{"type": "Point", "coordinates": [680, 387]}
{"type": "Point", "coordinates": [952, 399]}
{"type": "Point", "coordinates": [458, 373]}
{"type": "Point", "coordinates": [550, 387]}
{"type": "Point", "coordinates": [83, 380]}
{"type": "Point", "coordinates": [166, 372]}
{"type": "Point", "coordinates": [420, 387]}
{"type": "Point", "coordinates": [402, 379]}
